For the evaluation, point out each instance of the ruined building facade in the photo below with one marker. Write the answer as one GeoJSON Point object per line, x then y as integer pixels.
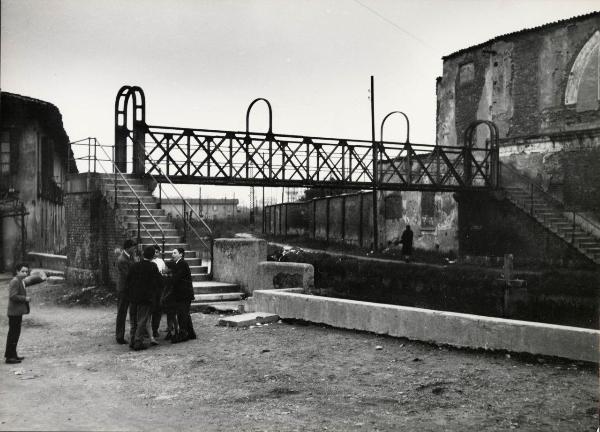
{"type": "Point", "coordinates": [540, 86]}
{"type": "Point", "coordinates": [33, 167]}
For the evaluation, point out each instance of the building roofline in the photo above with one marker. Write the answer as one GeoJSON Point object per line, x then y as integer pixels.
{"type": "Point", "coordinates": [523, 31]}
{"type": "Point", "coordinates": [29, 99]}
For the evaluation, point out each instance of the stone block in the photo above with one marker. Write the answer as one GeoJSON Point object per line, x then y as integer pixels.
{"type": "Point", "coordinates": [236, 260]}
{"type": "Point", "coordinates": [248, 319]}
{"type": "Point", "coordinates": [277, 275]}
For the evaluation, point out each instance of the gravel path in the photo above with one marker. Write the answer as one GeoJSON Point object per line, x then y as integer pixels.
{"type": "Point", "coordinates": [280, 377]}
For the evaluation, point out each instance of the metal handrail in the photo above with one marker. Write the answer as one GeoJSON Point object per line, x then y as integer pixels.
{"type": "Point", "coordinates": [183, 218]}
{"type": "Point", "coordinates": [176, 190]}
{"type": "Point", "coordinates": [532, 184]}
{"type": "Point", "coordinates": [140, 202]}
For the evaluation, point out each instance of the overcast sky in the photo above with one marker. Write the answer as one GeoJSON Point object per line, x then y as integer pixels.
{"type": "Point", "coordinates": [200, 63]}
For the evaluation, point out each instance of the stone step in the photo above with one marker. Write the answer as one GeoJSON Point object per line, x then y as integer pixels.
{"type": "Point", "coordinates": [198, 269]}
{"type": "Point", "coordinates": [217, 297]}
{"type": "Point", "coordinates": [193, 260]}
{"type": "Point", "coordinates": [132, 203]}
{"type": "Point", "coordinates": [131, 207]}
{"type": "Point", "coordinates": [166, 225]}
{"type": "Point", "coordinates": [214, 287]}
{"type": "Point", "coordinates": [146, 218]}
{"type": "Point", "coordinates": [168, 246]}
{"type": "Point", "coordinates": [200, 277]}
{"type": "Point", "coordinates": [145, 238]}
{"type": "Point", "coordinates": [151, 228]}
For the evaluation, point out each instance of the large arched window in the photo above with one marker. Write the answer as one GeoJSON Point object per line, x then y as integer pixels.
{"type": "Point", "coordinates": [583, 87]}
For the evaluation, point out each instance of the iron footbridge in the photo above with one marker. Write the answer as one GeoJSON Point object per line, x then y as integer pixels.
{"type": "Point", "coordinates": [247, 158]}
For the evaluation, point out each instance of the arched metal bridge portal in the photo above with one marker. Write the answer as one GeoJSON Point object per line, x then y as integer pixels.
{"type": "Point", "coordinates": [204, 156]}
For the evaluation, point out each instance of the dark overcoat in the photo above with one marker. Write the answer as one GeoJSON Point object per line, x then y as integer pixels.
{"type": "Point", "coordinates": [144, 282]}
{"type": "Point", "coordinates": [182, 281]}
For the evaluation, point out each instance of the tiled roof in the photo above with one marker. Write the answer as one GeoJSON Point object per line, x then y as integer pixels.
{"type": "Point", "coordinates": [519, 32]}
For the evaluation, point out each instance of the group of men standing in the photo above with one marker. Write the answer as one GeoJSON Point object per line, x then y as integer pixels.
{"type": "Point", "coordinates": [149, 287]}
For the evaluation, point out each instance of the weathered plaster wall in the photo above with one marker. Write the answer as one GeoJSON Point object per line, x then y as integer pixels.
{"type": "Point", "coordinates": [568, 168]}
{"type": "Point", "coordinates": [349, 219]}
{"type": "Point", "coordinates": [437, 233]}
{"type": "Point", "coordinates": [45, 223]}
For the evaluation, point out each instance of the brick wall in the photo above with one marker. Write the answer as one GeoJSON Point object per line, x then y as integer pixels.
{"type": "Point", "coordinates": [94, 235]}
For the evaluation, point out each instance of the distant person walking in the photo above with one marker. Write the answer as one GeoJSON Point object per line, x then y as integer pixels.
{"type": "Point", "coordinates": [18, 305]}
{"type": "Point", "coordinates": [143, 282]}
{"type": "Point", "coordinates": [124, 263]}
{"type": "Point", "coordinates": [407, 243]}
{"type": "Point", "coordinates": [183, 293]}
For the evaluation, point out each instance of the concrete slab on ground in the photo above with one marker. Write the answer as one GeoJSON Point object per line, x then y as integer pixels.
{"type": "Point", "coordinates": [248, 319]}
{"type": "Point", "coordinates": [229, 307]}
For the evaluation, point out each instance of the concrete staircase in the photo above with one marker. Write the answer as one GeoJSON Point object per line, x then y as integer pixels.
{"type": "Point", "coordinates": [545, 210]}
{"type": "Point", "coordinates": [155, 224]}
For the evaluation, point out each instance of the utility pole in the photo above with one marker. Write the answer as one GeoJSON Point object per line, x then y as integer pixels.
{"type": "Point", "coordinates": [375, 179]}
{"type": "Point", "coordinates": [252, 205]}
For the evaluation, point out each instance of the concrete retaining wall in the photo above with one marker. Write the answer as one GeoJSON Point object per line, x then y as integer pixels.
{"type": "Point", "coordinates": [275, 275]}
{"type": "Point", "coordinates": [461, 330]}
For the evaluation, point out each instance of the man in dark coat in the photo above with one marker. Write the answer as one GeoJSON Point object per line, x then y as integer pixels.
{"type": "Point", "coordinates": [124, 263]}
{"type": "Point", "coordinates": [183, 293]}
{"type": "Point", "coordinates": [18, 305]}
{"type": "Point", "coordinates": [143, 282]}
{"type": "Point", "coordinates": [407, 243]}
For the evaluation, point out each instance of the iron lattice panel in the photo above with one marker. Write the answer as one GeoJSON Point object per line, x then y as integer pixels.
{"type": "Point", "coordinates": [258, 159]}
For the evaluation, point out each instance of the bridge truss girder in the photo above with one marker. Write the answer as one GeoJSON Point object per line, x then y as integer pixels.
{"type": "Point", "coordinates": [216, 157]}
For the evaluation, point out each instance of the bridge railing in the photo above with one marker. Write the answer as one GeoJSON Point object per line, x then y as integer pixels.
{"type": "Point", "coordinates": [188, 211]}
{"type": "Point", "coordinates": [267, 159]}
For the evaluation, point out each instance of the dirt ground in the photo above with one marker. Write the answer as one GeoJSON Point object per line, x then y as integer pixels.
{"type": "Point", "coordinates": [286, 376]}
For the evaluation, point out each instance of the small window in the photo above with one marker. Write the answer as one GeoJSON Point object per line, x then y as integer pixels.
{"type": "Point", "coordinates": [5, 153]}
{"type": "Point", "coordinates": [393, 206]}
{"type": "Point", "coordinates": [427, 209]}
{"type": "Point", "coordinates": [466, 73]}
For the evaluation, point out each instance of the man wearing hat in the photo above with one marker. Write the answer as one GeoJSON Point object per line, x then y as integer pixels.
{"type": "Point", "coordinates": [124, 263]}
